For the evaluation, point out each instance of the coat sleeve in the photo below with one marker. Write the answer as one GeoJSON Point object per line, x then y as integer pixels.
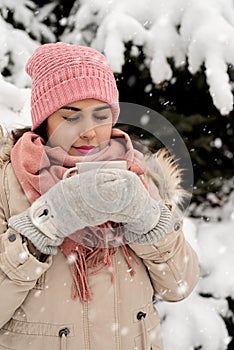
{"type": "Point", "coordinates": [172, 265]}
{"type": "Point", "coordinates": [19, 269]}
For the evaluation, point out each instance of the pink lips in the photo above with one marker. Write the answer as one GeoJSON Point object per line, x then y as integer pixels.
{"type": "Point", "coordinates": [85, 149]}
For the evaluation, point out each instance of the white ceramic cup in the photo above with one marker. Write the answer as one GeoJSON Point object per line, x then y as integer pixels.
{"type": "Point", "coordinates": [86, 166]}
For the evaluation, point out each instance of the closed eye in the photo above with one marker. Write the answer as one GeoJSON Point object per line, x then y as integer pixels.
{"type": "Point", "coordinates": [71, 119]}
{"type": "Point", "coordinates": [101, 117]}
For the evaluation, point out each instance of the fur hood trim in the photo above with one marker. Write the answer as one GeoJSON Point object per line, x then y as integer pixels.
{"type": "Point", "coordinates": [161, 169]}
{"type": "Point", "coordinates": [6, 144]}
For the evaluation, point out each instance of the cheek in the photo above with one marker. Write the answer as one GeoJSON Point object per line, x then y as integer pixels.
{"type": "Point", "coordinates": [104, 133]}
{"type": "Point", "coordinates": [63, 136]}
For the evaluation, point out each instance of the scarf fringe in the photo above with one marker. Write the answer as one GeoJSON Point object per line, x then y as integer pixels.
{"type": "Point", "coordinates": [82, 257]}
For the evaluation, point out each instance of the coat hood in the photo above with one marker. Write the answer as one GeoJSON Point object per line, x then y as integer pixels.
{"type": "Point", "coordinates": [6, 144]}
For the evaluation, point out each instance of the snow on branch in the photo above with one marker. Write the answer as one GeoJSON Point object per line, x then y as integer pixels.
{"type": "Point", "coordinates": [207, 30]}
{"type": "Point", "coordinates": [114, 32]}
{"type": "Point", "coordinates": [15, 49]}
{"type": "Point", "coordinates": [25, 13]}
{"type": "Point", "coordinates": [14, 105]}
{"type": "Point", "coordinates": [200, 32]}
{"type": "Point", "coordinates": [17, 45]}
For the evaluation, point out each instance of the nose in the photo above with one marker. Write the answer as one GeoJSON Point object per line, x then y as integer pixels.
{"type": "Point", "coordinates": [88, 133]}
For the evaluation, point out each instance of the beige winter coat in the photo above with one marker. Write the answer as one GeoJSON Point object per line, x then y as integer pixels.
{"type": "Point", "coordinates": [36, 309]}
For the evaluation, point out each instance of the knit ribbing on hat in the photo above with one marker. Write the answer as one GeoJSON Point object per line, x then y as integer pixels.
{"type": "Point", "coordinates": [63, 73]}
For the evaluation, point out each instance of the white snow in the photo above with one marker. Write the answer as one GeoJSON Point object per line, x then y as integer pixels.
{"type": "Point", "coordinates": [193, 322]}
{"type": "Point", "coordinates": [217, 258]}
{"type": "Point", "coordinates": [197, 320]}
{"type": "Point", "coordinates": [14, 105]}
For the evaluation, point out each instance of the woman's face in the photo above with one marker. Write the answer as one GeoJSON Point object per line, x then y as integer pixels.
{"type": "Point", "coordinates": [80, 128]}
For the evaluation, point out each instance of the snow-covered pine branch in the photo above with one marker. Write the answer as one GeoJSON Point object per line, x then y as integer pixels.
{"type": "Point", "coordinates": [25, 13]}
{"type": "Point", "coordinates": [200, 32]}
{"type": "Point", "coordinates": [17, 45]}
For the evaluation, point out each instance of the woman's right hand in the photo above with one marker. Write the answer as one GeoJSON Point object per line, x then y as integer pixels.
{"type": "Point", "coordinates": [68, 206]}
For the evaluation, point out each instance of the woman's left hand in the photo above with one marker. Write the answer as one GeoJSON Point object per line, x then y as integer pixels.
{"type": "Point", "coordinates": [128, 201]}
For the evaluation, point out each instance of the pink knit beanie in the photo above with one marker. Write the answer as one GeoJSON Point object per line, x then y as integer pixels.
{"type": "Point", "coordinates": [63, 73]}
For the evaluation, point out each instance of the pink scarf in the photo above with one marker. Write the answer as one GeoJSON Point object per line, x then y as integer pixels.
{"type": "Point", "coordinates": [38, 167]}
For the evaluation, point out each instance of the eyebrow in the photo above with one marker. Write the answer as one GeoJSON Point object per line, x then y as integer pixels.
{"type": "Point", "coordinates": [79, 109]}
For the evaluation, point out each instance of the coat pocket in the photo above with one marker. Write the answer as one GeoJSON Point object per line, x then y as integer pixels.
{"type": "Point", "coordinates": [18, 335]}
{"type": "Point", "coordinates": [150, 337]}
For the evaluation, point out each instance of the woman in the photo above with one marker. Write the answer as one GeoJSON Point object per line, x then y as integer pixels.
{"type": "Point", "coordinates": [82, 257]}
